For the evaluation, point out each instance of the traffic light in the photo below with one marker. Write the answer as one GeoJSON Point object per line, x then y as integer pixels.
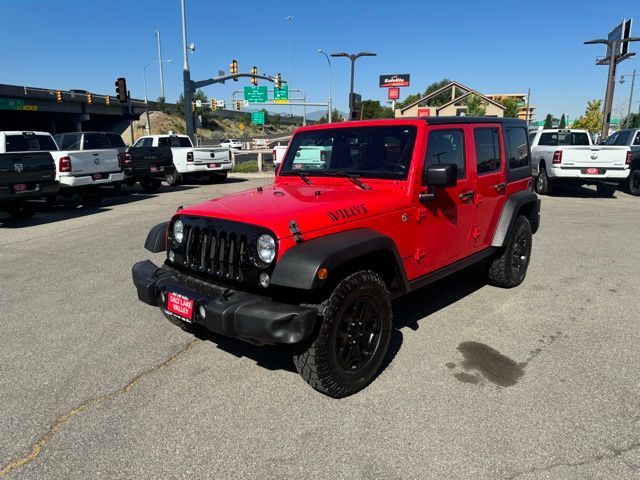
{"type": "Point", "coordinates": [214, 104]}
{"type": "Point", "coordinates": [278, 81]}
{"type": "Point", "coordinates": [254, 71]}
{"type": "Point", "coordinates": [238, 105]}
{"type": "Point", "coordinates": [58, 96]}
{"type": "Point", "coordinates": [121, 89]}
{"type": "Point", "coordinates": [107, 100]}
{"type": "Point", "coordinates": [233, 68]}
{"type": "Point", "coordinates": [89, 99]}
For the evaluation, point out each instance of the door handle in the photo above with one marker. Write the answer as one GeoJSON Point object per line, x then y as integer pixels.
{"type": "Point", "coordinates": [96, 154]}
{"type": "Point", "coordinates": [500, 187]}
{"type": "Point", "coordinates": [467, 195]}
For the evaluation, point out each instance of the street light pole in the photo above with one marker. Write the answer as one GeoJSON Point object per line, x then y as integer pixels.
{"type": "Point", "coordinates": [353, 58]}
{"type": "Point", "coordinates": [633, 81]}
{"type": "Point", "coordinates": [160, 63]}
{"type": "Point", "coordinates": [289, 20]}
{"type": "Point", "coordinates": [330, 94]}
{"type": "Point", "coordinates": [186, 76]}
{"type": "Point", "coordinates": [146, 101]}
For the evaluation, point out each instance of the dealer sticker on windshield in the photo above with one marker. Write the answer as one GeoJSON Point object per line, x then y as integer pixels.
{"type": "Point", "coordinates": [180, 305]}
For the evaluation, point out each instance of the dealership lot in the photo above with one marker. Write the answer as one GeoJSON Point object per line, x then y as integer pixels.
{"type": "Point", "coordinates": [535, 382]}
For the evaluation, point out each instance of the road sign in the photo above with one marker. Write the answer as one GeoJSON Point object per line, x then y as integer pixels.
{"type": "Point", "coordinates": [394, 93]}
{"type": "Point", "coordinates": [257, 117]}
{"type": "Point", "coordinates": [198, 103]}
{"type": "Point", "coordinates": [11, 104]}
{"type": "Point", "coordinates": [256, 94]}
{"type": "Point", "coordinates": [395, 80]}
{"type": "Point", "coordinates": [281, 95]}
{"type": "Point", "coordinates": [241, 126]}
{"type": "Point", "coordinates": [246, 103]}
{"type": "Point", "coordinates": [522, 103]}
{"type": "Point", "coordinates": [424, 112]}
{"type": "Point", "coordinates": [221, 104]}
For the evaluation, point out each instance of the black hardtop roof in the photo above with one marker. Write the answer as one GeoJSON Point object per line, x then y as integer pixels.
{"type": "Point", "coordinates": [464, 120]}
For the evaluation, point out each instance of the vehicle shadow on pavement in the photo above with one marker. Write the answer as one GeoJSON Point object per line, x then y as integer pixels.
{"type": "Point", "coordinates": [206, 181]}
{"type": "Point", "coordinates": [569, 191]}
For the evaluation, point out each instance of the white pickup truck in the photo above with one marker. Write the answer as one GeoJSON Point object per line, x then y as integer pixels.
{"type": "Point", "coordinates": [189, 161]}
{"type": "Point", "coordinates": [562, 156]}
{"type": "Point", "coordinates": [278, 155]}
{"type": "Point", "coordinates": [87, 160]}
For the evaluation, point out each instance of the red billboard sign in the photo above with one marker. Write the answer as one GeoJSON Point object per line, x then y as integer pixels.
{"type": "Point", "coordinates": [394, 80]}
{"type": "Point", "coordinates": [394, 93]}
{"type": "Point", "coordinates": [424, 112]}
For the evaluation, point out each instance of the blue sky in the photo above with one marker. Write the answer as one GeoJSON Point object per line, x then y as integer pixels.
{"type": "Point", "coordinates": [492, 46]}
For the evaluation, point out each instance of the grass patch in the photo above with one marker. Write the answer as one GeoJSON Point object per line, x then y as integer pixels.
{"type": "Point", "coordinates": [247, 167]}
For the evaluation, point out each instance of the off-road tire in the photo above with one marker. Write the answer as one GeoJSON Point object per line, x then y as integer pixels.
{"type": "Point", "coordinates": [542, 184]}
{"type": "Point", "coordinates": [21, 212]}
{"type": "Point", "coordinates": [172, 179]}
{"type": "Point", "coordinates": [605, 190]}
{"type": "Point", "coordinates": [218, 177]}
{"type": "Point", "coordinates": [634, 182]}
{"type": "Point", "coordinates": [317, 360]}
{"type": "Point", "coordinates": [507, 269]}
{"type": "Point", "coordinates": [150, 185]}
{"type": "Point", "coordinates": [130, 182]}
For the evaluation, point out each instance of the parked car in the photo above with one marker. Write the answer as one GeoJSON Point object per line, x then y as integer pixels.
{"type": "Point", "coordinates": [630, 138]}
{"type": "Point", "coordinates": [215, 162]}
{"type": "Point", "coordinates": [231, 143]}
{"type": "Point", "coordinates": [278, 155]}
{"type": "Point", "coordinates": [147, 165]}
{"type": "Point", "coordinates": [314, 260]}
{"type": "Point", "coordinates": [86, 161]}
{"type": "Point", "coordinates": [567, 156]}
{"type": "Point", "coordinates": [27, 171]}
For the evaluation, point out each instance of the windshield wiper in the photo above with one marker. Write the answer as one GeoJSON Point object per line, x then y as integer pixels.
{"type": "Point", "coordinates": [351, 176]}
{"type": "Point", "coordinates": [302, 175]}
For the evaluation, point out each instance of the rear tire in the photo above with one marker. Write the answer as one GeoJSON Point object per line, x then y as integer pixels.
{"type": "Point", "coordinates": [352, 339]}
{"type": "Point", "coordinates": [634, 182]}
{"type": "Point", "coordinates": [172, 179]}
{"type": "Point", "coordinates": [150, 185]}
{"type": "Point", "coordinates": [543, 184]}
{"type": "Point", "coordinates": [21, 212]}
{"type": "Point", "coordinates": [509, 267]}
{"type": "Point", "coordinates": [130, 182]}
{"type": "Point", "coordinates": [605, 190]}
{"type": "Point", "coordinates": [218, 177]}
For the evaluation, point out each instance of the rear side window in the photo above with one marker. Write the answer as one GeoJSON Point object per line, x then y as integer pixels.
{"type": "Point", "coordinates": [70, 142]}
{"type": "Point", "coordinates": [46, 142]}
{"type": "Point", "coordinates": [165, 142]}
{"type": "Point", "coordinates": [553, 139]}
{"type": "Point", "coordinates": [446, 146]}
{"type": "Point", "coordinates": [144, 142]}
{"type": "Point", "coordinates": [184, 142]}
{"type": "Point", "coordinates": [487, 144]}
{"type": "Point", "coordinates": [95, 141]}
{"type": "Point", "coordinates": [116, 140]}
{"type": "Point", "coordinates": [29, 143]}
{"type": "Point", "coordinates": [518, 154]}
{"type": "Point", "coordinates": [637, 140]}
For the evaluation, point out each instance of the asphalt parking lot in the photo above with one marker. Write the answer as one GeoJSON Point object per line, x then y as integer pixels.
{"type": "Point", "coordinates": [538, 382]}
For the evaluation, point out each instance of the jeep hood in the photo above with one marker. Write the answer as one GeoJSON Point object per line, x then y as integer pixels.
{"type": "Point", "coordinates": [313, 207]}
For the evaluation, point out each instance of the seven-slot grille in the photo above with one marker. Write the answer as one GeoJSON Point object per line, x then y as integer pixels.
{"type": "Point", "coordinates": [215, 252]}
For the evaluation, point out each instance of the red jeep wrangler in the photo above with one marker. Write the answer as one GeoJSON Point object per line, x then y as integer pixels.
{"type": "Point", "coordinates": [359, 213]}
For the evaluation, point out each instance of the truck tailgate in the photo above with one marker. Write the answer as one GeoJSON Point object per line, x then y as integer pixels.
{"type": "Point", "coordinates": [88, 162]}
{"type": "Point", "coordinates": [144, 158]}
{"type": "Point", "coordinates": [25, 167]}
{"type": "Point", "coordinates": [600, 156]}
{"type": "Point", "coordinates": [207, 155]}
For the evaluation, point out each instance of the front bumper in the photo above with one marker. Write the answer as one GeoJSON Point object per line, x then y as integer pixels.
{"type": "Point", "coordinates": [228, 312]}
{"type": "Point", "coordinates": [87, 180]}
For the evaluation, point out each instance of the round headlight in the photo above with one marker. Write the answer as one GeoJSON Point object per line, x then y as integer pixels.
{"type": "Point", "coordinates": [266, 247]}
{"type": "Point", "coordinates": [178, 231]}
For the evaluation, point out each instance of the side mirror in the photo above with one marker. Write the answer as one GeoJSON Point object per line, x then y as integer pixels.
{"type": "Point", "coordinates": [442, 175]}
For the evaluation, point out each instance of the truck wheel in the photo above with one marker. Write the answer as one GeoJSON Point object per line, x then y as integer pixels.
{"type": "Point", "coordinates": [509, 267]}
{"type": "Point", "coordinates": [130, 182]}
{"type": "Point", "coordinates": [90, 196]}
{"type": "Point", "coordinates": [605, 190]}
{"type": "Point", "coordinates": [543, 184]}
{"type": "Point", "coordinates": [218, 177]}
{"type": "Point", "coordinates": [116, 188]}
{"type": "Point", "coordinates": [352, 339]}
{"type": "Point", "coordinates": [172, 179]}
{"type": "Point", "coordinates": [634, 182]}
{"type": "Point", "coordinates": [150, 185]}
{"type": "Point", "coordinates": [21, 212]}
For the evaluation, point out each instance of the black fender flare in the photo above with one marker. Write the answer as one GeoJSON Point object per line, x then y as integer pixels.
{"type": "Point", "coordinates": [510, 212]}
{"type": "Point", "coordinates": [298, 267]}
{"type": "Point", "coordinates": [157, 238]}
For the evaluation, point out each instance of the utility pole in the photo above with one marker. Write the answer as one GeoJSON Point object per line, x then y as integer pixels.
{"type": "Point", "coordinates": [330, 94]}
{"type": "Point", "coordinates": [289, 20]}
{"type": "Point", "coordinates": [528, 103]}
{"type": "Point", "coordinates": [633, 81]}
{"type": "Point", "coordinates": [186, 76]}
{"type": "Point", "coordinates": [160, 62]}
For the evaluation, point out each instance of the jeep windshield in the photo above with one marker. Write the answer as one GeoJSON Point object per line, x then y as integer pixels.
{"type": "Point", "coordinates": [369, 152]}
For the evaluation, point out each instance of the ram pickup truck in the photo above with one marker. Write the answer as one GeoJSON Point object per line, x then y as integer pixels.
{"type": "Point", "coordinates": [147, 165]}
{"type": "Point", "coordinates": [27, 171]}
{"type": "Point", "coordinates": [278, 155]}
{"type": "Point", "coordinates": [630, 138]}
{"type": "Point", "coordinates": [314, 260]}
{"type": "Point", "coordinates": [563, 156]}
{"type": "Point", "coordinates": [86, 161]}
{"type": "Point", "coordinates": [189, 161]}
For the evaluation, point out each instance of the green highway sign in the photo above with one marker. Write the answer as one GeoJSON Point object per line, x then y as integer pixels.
{"type": "Point", "coordinates": [281, 95]}
{"type": "Point", "coordinates": [522, 103]}
{"type": "Point", "coordinates": [11, 104]}
{"type": "Point", "coordinates": [257, 117]}
{"type": "Point", "coordinates": [255, 94]}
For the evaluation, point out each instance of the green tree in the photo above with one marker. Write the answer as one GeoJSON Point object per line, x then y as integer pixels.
{"type": "Point", "coordinates": [336, 116]}
{"type": "Point", "coordinates": [632, 120]}
{"type": "Point", "coordinates": [475, 107]}
{"type": "Point", "coordinates": [563, 122]}
{"type": "Point", "coordinates": [548, 121]}
{"type": "Point", "coordinates": [372, 109]}
{"type": "Point", "coordinates": [203, 110]}
{"type": "Point", "coordinates": [162, 104]}
{"type": "Point", "coordinates": [592, 118]}
{"type": "Point", "coordinates": [436, 101]}
{"type": "Point", "coordinates": [511, 108]}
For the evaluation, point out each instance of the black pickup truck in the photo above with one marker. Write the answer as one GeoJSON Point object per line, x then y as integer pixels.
{"type": "Point", "coordinates": [147, 165]}
{"type": "Point", "coordinates": [631, 138]}
{"type": "Point", "coordinates": [27, 171]}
